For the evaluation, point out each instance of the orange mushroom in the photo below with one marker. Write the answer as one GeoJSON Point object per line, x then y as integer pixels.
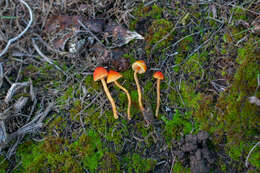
{"type": "Point", "coordinates": [159, 76]}
{"type": "Point", "coordinates": [113, 76]}
{"type": "Point", "coordinates": [139, 67]}
{"type": "Point", "coordinates": [99, 74]}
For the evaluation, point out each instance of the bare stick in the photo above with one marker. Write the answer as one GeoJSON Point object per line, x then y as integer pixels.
{"type": "Point", "coordinates": [22, 33]}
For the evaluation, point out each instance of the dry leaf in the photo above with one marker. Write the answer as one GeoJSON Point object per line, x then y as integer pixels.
{"type": "Point", "coordinates": [121, 35]}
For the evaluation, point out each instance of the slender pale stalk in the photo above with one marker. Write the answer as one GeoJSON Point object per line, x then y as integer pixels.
{"type": "Point", "coordinates": [109, 98]}
{"type": "Point", "coordinates": [139, 92]}
{"type": "Point", "coordinates": [158, 98]}
{"type": "Point", "coordinates": [128, 97]}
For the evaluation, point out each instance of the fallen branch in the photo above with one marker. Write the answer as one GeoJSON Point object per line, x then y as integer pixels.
{"type": "Point", "coordinates": [22, 33]}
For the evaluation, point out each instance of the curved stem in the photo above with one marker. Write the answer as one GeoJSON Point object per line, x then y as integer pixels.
{"type": "Point", "coordinates": [128, 97]}
{"type": "Point", "coordinates": [109, 98]}
{"type": "Point", "coordinates": [158, 98]}
{"type": "Point", "coordinates": [139, 92]}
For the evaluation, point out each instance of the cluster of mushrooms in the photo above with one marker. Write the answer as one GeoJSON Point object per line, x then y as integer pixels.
{"type": "Point", "coordinates": [139, 66]}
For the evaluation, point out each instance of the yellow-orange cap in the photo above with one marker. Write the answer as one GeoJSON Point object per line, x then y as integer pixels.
{"type": "Point", "coordinates": [113, 76]}
{"type": "Point", "coordinates": [99, 73]}
{"type": "Point", "coordinates": [158, 75]}
{"type": "Point", "coordinates": [139, 66]}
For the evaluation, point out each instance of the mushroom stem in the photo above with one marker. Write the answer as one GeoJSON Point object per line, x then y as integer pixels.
{"type": "Point", "coordinates": [128, 97]}
{"type": "Point", "coordinates": [109, 98]}
{"type": "Point", "coordinates": [139, 92]}
{"type": "Point", "coordinates": [158, 98]}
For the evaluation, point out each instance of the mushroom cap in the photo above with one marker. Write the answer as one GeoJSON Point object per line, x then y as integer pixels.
{"type": "Point", "coordinates": [139, 66]}
{"type": "Point", "coordinates": [99, 73]}
{"type": "Point", "coordinates": [113, 76]}
{"type": "Point", "coordinates": [158, 75]}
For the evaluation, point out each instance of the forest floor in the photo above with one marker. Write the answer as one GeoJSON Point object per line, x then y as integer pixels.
{"type": "Point", "coordinates": [55, 118]}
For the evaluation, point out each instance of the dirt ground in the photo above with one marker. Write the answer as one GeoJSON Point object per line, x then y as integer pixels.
{"type": "Point", "coordinates": [55, 118]}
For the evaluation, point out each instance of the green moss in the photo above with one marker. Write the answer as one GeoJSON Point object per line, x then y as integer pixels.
{"type": "Point", "coordinates": [3, 164]}
{"type": "Point", "coordinates": [239, 113]}
{"type": "Point", "coordinates": [233, 120]}
{"type": "Point", "coordinates": [143, 132]}
{"type": "Point", "coordinates": [44, 76]}
{"type": "Point", "coordinates": [180, 124]}
{"type": "Point", "coordinates": [148, 86]}
{"type": "Point", "coordinates": [68, 94]}
{"type": "Point", "coordinates": [89, 82]}
{"type": "Point", "coordinates": [56, 122]}
{"type": "Point", "coordinates": [154, 12]}
{"type": "Point", "coordinates": [130, 56]}
{"type": "Point", "coordinates": [235, 152]}
{"type": "Point", "coordinates": [173, 98]}
{"type": "Point", "coordinates": [178, 168]}
{"type": "Point", "coordinates": [136, 163]}
{"type": "Point", "coordinates": [29, 70]}
{"type": "Point", "coordinates": [58, 155]}
{"type": "Point", "coordinates": [184, 45]}
{"type": "Point", "coordinates": [128, 78]}
{"type": "Point", "coordinates": [201, 111]}
{"type": "Point", "coordinates": [239, 13]}
{"type": "Point", "coordinates": [158, 30]}
{"type": "Point", "coordinates": [77, 107]}
{"type": "Point", "coordinates": [189, 96]}
{"type": "Point", "coordinates": [255, 157]}
{"type": "Point", "coordinates": [227, 38]}
{"type": "Point", "coordinates": [122, 99]}
{"type": "Point", "coordinates": [98, 122]}
{"type": "Point", "coordinates": [135, 105]}
{"type": "Point", "coordinates": [193, 68]}
{"type": "Point", "coordinates": [223, 167]}
{"type": "Point", "coordinates": [117, 132]}
{"type": "Point", "coordinates": [109, 164]}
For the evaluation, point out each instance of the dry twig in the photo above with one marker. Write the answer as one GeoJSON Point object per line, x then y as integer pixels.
{"type": "Point", "coordinates": [22, 33]}
{"type": "Point", "coordinates": [14, 88]}
{"type": "Point", "coordinates": [1, 74]}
